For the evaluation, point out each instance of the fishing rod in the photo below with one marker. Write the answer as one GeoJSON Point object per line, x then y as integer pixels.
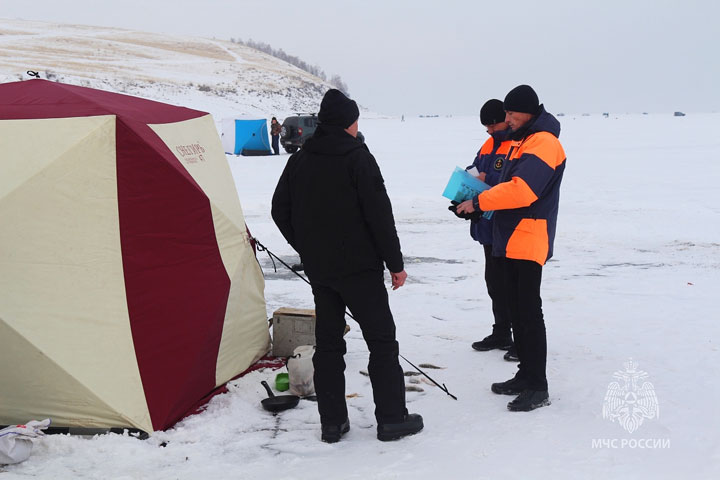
{"type": "Point", "coordinates": [273, 257]}
{"type": "Point", "coordinates": [263, 248]}
{"type": "Point", "coordinates": [443, 387]}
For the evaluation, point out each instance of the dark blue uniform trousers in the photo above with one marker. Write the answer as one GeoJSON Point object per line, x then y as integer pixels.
{"type": "Point", "coordinates": [497, 292]}
{"type": "Point", "coordinates": [522, 280]}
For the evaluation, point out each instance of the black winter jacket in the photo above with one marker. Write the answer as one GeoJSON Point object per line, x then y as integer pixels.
{"type": "Point", "coordinates": [331, 206]}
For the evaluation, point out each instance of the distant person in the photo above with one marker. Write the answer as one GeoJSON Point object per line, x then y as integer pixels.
{"type": "Point", "coordinates": [275, 128]}
{"type": "Point", "coordinates": [331, 206]}
{"type": "Point", "coordinates": [487, 166]}
{"type": "Point", "coordinates": [526, 206]}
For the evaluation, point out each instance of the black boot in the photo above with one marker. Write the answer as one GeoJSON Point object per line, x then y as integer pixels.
{"type": "Point", "coordinates": [333, 433]}
{"type": "Point", "coordinates": [492, 342]}
{"type": "Point", "coordinates": [412, 424]}
{"type": "Point", "coordinates": [511, 355]}
{"type": "Point", "coordinates": [514, 386]}
{"type": "Point", "coordinates": [529, 400]}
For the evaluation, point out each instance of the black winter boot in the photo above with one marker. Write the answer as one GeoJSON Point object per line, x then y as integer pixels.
{"type": "Point", "coordinates": [529, 400]}
{"type": "Point", "coordinates": [492, 342]}
{"type": "Point", "coordinates": [514, 386]}
{"type": "Point", "coordinates": [333, 433]}
{"type": "Point", "coordinates": [412, 424]}
{"type": "Point", "coordinates": [511, 355]}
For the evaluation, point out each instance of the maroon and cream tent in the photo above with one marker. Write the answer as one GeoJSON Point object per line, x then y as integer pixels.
{"type": "Point", "coordinates": [129, 289]}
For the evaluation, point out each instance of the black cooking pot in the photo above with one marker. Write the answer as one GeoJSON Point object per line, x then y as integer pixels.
{"type": "Point", "coordinates": [278, 403]}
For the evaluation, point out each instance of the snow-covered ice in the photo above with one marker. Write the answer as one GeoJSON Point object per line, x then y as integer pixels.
{"type": "Point", "coordinates": [635, 275]}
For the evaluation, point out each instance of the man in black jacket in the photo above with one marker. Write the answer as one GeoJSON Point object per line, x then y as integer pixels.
{"type": "Point", "coordinates": [331, 206]}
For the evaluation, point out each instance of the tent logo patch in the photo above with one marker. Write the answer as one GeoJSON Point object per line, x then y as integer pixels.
{"type": "Point", "coordinates": [630, 400]}
{"type": "Point", "coordinates": [191, 153]}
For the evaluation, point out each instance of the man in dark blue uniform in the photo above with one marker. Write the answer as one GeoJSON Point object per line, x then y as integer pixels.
{"type": "Point", "coordinates": [487, 166]}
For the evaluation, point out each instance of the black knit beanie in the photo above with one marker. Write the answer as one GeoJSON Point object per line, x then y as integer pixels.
{"type": "Point", "coordinates": [492, 112]}
{"type": "Point", "coordinates": [337, 109]}
{"type": "Point", "coordinates": [522, 99]}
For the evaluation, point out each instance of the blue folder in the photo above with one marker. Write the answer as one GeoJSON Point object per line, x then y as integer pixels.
{"type": "Point", "coordinates": [463, 186]}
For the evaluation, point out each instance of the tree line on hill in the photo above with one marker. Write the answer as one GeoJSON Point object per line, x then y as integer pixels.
{"type": "Point", "coordinates": [334, 80]}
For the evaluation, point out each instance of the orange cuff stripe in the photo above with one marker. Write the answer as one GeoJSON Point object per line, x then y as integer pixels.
{"type": "Point", "coordinates": [513, 194]}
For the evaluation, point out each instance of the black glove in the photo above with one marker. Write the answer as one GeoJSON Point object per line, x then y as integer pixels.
{"type": "Point", "coordinates": [466, 216]}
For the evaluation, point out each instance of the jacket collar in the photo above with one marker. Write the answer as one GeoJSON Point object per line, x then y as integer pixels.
{"type": "Point", "coordinates": [542, 122]}
{"type": "Point", "coordinates": [332, 140]}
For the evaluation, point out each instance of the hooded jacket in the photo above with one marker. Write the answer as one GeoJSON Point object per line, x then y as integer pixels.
{"type": "Point", "coordinates": [330, 204]}
{"type": "Point", "coordinates": [526, 201]}
{"type": "Point", "coordinates": [489, 159]}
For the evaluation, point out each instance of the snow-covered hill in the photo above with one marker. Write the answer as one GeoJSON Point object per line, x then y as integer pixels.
{"type": "Point", "coordinates": [218, 76]}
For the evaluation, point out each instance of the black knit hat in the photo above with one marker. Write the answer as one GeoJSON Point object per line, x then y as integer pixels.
{"type": "Point", "coordinates": [337, 109]}
{"type": "Point", "coordinates": [492, 112]}
{"type": "Point", "coordinates": [522, 99]}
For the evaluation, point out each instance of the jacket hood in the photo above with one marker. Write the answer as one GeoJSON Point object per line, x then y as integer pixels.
{"type": "Point", "coordinates": [543, 122]}
{"type": "Point", "coordinates": [332, 140]}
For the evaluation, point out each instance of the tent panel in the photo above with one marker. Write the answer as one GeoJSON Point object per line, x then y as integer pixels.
{"type": "Point", "coordinates": [245, 336]}
{"type": "Point", "coordinates": [36, 387]}
{"type": "Point", "coordinates": [175, 279]}
{"type": "Point", "coordinates": [62, 285]}
{"type": "Point", "coordinates": [260, 141]}
{"type": "Point", "coordinates": [228, 135]}
{"type": "Point", "coordinates": [37, 99]}
{"type": "Point", "coordinates": [24, 145]}
{"type": "Point", "coordinates": [251, 135]}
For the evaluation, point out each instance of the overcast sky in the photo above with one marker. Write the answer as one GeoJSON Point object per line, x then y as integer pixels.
{"type": "Point", "coordinates": [448, 57]}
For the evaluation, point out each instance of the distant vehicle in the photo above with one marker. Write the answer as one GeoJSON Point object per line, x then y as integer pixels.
{"type": "Point", "coordinates": [560, 114]}
{"type": "Point", "coordinates": [679, 114]}
{"type": "Point", "coordinates": [295, 130]}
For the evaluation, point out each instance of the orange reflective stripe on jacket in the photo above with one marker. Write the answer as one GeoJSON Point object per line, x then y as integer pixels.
{"type": "Point", "coordinates": [487, 147]}
{"type": "Point", "coordinates": [529, 241]}
{"type": "Point", "coordinates": [543, 145]}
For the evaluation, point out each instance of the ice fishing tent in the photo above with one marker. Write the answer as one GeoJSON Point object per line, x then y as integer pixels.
{"type": "Point", "coordinates": [245, 136]}
{"type": "Point", "coordinates": [129, 289]}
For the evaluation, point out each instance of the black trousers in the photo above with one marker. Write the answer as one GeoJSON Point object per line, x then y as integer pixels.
{"type": "Point", "coordinates": [366, 297]}
{"type": "Point", "coordinates": [275, 144]}
{"type": "Point", "coordinates": [522, 280]}
{"type": "Point", "coordinates": [497, 292]}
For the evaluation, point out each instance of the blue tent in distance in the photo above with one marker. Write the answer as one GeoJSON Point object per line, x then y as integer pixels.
{"type": "Point", "coordinates": [245, 136]}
